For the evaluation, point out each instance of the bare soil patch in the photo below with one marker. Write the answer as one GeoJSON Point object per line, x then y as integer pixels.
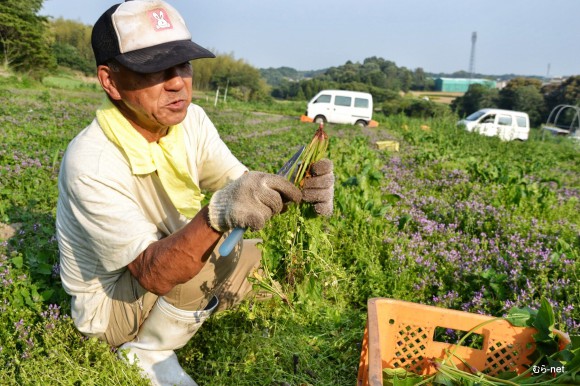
{"type": "Point", "coordinates": [8, 230]}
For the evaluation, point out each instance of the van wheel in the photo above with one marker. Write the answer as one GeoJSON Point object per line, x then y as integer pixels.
{"type": "Point", "coordinates": [319, 119]}
{"type": "Point", "coordinates": [361, 123]}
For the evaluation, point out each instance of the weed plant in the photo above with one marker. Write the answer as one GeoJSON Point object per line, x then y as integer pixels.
{"type": "Point", "coordinates": [454, 219]}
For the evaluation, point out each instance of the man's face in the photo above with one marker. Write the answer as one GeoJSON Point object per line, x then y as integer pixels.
{"type": "Point", "coordinates": [155, 101]}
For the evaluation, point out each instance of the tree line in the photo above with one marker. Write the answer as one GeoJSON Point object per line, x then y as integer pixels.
{"type": "Point", "coordinates": [37, 45]}
{"type": "Point", "coordinates": [376, 75]}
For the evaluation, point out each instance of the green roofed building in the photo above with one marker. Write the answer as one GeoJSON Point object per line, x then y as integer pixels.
{"type": "Point", "coordinates": [460, 84]}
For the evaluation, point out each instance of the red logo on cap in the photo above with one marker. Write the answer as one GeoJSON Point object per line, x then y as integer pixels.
{"type": "Point", "coordinates": [160, 19]}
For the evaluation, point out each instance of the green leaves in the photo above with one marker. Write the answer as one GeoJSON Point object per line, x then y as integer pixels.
{"type": "Point", "coordinates": [18, 261]}
{"type": "Point", "coordinates": [572, 365]}
{"type": "Point", "coordinates": [400, 377]}
{"type": "Point", "coordinates": [544, 322]}
{"type": "Point", "coordinates": [549, 358]}
{"type": "Point", "coordinates": [521, 317]}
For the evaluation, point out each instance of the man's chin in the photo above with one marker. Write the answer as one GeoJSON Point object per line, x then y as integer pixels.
{"type": "Point", "coordinates": [175, 117]}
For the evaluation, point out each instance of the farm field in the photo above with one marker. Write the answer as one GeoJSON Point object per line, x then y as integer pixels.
{"type": "Point", "coordinates": [438, 96]}
{"type": "Point", "coordinates": [453, 219]}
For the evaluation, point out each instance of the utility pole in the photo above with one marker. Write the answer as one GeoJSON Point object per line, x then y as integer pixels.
{"type": "Point", "coordinates": [472, 56]}
{"type": "Point", "coordinates": [226, 92]}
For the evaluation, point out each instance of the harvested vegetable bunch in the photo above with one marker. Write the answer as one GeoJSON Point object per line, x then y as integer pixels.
{"type": "Point", "coordinates": [315, 151]}
{"type": "Point", "coordinates": [300, 169]}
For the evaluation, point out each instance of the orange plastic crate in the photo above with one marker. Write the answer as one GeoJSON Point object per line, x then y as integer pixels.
{"type": "Point", "coordinates": [400, 334]}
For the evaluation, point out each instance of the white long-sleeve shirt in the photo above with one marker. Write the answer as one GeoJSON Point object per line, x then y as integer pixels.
{"type": "Point", "coordinates": [107, 216]}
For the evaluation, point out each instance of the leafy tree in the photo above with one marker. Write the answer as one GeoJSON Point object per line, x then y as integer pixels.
{"type": "Point", "coordinates": [392, 103]}
{"type": "Point", "coordinates": [565, 93]}
{"type": "Point", "coordinates": [72, 45]}
{"type": "Point", "coordinates": [477, 97]}
{"type": "Point", "coordinates": [68, 56]}
{"type": "Point", "coordinates": [508, 96]}
{"type": "Point", "coordinates": [530, 100]}
{"type": "Point", "coordinates": [406, 78]}
{"type": "Point", "coordinates": [571, 90]}
{"type": "Point", "coordinates": [371, 74]}
{"type": "Point", "coordinates": [242, 80]}
{"type": "Point", "coordinates": [523, 94]}
{"type": "Point", "coordinates": [24, 41]}
{"type": "Point", "coordinates": [278, 76]}
{"type": "Point", "coordinates": [345, 74]}
{"type": "Point", "coordinates": [300, 95]}
{"type": "Point", "coordinates": [420, 80]}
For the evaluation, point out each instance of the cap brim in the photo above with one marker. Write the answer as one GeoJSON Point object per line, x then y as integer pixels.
{"type": "Point", "coordinates": [163, 56]}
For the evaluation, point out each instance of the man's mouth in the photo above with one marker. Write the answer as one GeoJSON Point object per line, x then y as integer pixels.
{"type": "Point", "coordinates": [177, 104]}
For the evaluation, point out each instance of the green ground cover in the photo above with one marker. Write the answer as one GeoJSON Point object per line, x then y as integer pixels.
{"type": "Point", "coordinates": [64, 82]}
{"type": "Point", "coordinates": [454, 220]}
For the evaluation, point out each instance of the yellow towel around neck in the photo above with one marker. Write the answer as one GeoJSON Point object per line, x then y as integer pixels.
{"type": "Point", "coordinates": [167, 156]}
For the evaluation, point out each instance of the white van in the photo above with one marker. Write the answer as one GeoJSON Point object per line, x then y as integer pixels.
{"type": "Point", "coordinates": [338, 106]}
{"type": "Point", "coordinates": [506, 124]}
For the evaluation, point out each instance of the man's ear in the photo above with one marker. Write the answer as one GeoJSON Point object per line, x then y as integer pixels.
{"type": "Point", "coordinates": [107, 79]}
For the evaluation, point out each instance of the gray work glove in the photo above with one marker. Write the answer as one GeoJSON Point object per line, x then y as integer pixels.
{"type": "Point", "coordinates": [318, 188]}
{"type": "Point", "coordinates": [250, 201]}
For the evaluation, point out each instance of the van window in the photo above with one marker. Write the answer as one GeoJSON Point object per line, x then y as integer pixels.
{"type": "Point", "coordinates": [488, 119]}
{"type": "Point", "coordinates": [361, 102]}
{"type": "Point", "coordinates": [324, 98]}
{"type": "Point", "coordinates": [504, 120]}
{"type": "Point", "coordinates": [342, 100]}
{"type": "Point", "coordinates": [475, 116]}
{"type": "Point", "coordinates": [521, 121]}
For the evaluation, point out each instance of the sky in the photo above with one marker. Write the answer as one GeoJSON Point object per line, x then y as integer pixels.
{"type": "Point", "coordinates": [523, 37]}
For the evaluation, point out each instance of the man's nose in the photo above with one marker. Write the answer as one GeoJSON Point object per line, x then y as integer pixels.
{"type": "Point", "coordinates": [174, 78]}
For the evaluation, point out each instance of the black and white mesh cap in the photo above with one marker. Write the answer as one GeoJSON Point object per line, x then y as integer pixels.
{"type": "Point", "coordinates": [145, 36]}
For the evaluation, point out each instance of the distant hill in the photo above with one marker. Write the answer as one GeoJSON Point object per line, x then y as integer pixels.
{"type": "Point", "coordinates": [276, 76]}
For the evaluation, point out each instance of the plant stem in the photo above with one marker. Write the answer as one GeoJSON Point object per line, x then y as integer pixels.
{"type": "Point", "coordinates": [470, 332]}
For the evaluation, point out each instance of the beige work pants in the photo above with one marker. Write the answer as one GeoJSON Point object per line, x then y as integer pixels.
{"type": "Point", "coordinates": [222, 276]}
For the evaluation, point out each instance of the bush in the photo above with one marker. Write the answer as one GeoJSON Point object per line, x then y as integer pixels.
{"type": "Point", "coordinates": [413, 107]}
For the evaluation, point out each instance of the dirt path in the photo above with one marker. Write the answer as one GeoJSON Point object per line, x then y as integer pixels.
{"type": "Point", "coordinates": [8, 230]}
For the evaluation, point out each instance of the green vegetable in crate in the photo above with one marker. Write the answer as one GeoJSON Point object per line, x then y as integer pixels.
{"type": "Point", "coordinates": [556, 360]}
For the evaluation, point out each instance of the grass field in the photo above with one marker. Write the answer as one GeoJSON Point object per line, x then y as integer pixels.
{"type": "Point", "coordinates": [453, 220]}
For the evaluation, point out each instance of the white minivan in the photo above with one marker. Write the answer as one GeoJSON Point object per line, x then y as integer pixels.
{"type": "Point", "coordinates": [506, 124]}
{"type": "Point", "coordinates": [339, 106]}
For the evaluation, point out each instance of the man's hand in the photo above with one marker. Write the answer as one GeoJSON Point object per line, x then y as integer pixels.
{"type": "Point", "coordinates": [250, 201]}
{"type": "Point", "coordinates": [318, 188]}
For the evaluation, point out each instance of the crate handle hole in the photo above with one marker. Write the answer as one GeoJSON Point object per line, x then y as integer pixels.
{"type": "Point", "coordinates": [453, 336]}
